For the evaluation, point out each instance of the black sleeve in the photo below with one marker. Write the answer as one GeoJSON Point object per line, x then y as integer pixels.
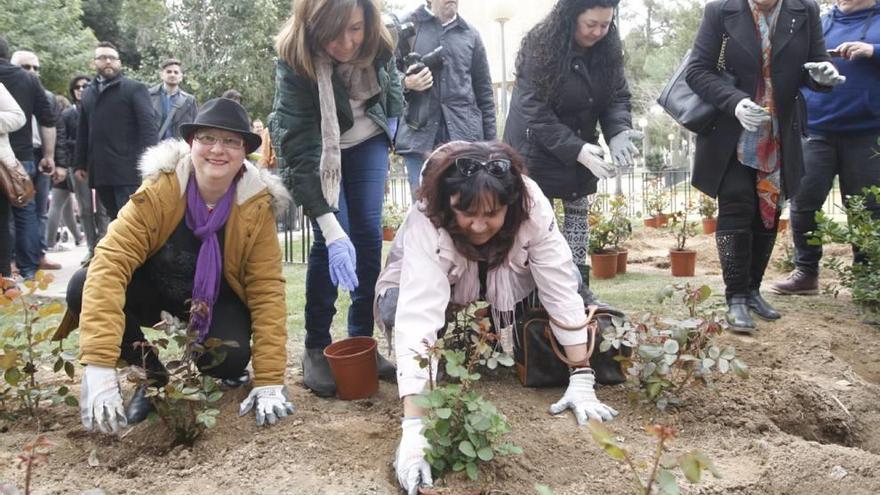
{"type": "Point", "coordinates": [481, 80]}
{"type": "Point", "coordinates": [148, 132]}
{"type": "Point", "coordinates": [43, 108]}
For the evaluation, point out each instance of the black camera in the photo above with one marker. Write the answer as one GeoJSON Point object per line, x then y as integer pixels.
{"type": "Point", "coordinates": [432, 60]}
{"type": "Point", "coordinates": [401, 31]}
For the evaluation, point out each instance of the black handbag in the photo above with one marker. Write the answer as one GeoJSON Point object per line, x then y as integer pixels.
{"type": "Point", "coordinates": [539, 361]}
{"type": "Point", "coordinates": [683, 105]}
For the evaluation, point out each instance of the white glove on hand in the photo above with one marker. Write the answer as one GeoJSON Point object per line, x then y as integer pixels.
{"type": "Point", "coordinates": [581, 398]}
{"type": "Point", "coordinates": [592, 157]}
{"type": "Point", "coordinates": [750, 114]}
{"type": "Point", "coordinates": [412, 469]}
{"type": "Point", "coordinates": [622, 148]}
{"type": "Point", "coordinates": [269, 402]}
{"type": "Point", "coordinates": [824, 73]}
{"type": "Point", "coordinates": [100, 401]}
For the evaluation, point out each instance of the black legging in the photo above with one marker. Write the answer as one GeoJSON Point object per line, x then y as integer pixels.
{"type": "Point", "coordinates": [738, 200]}
{"type": "Point", "coordinates": [143, 303]}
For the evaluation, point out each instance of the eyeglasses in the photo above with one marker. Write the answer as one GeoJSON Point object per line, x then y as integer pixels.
{"type": "Point", "coordinates": [107, 58]}
{"type": "Point", "coordinates": [35, 68]}
{"type": "Point", "coordinates": [232, 143]}
{"type": "Point", "coordinates": [469, 166]}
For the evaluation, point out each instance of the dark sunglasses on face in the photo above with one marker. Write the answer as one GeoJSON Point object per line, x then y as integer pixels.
{"type": "Point", "coordinates": [469, 166]}
{"type": "Point", "coordinates": [35, 68]}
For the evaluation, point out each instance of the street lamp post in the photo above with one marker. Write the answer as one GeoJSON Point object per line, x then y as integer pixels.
{"type": "Point", "coordinates": [501, 21]}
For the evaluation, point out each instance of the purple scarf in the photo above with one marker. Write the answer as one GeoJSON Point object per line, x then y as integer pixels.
{"type": "Point", "coordinates": [204, 224]}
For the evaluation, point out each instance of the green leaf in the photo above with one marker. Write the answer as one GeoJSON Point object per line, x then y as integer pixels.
{"type": "Point", "coordinates": [492, 363]}
{"type": "Point", "coordinates": [543, 489]}
{"type": "Point", "coordinates": [422, 402]}
{"type": "Point", "coordinates": [12, 376]}
{"type": "Point", "coordinates": [71, 401]}
{"type": "Point", "coordinates": [472, 470]}
{"type": "Point", "coordinates": [466, 448]}
{"type": "Point", "coordinates": [59, 364]}
{"type": "Point", "coordinates": [740, 368]}
{"type": "Point", "coordinates": [443, 412]}
{"type": "Point", "coordinates": [690, 466]}
{"type": "Point", "coordinates": [714, 352]}
{"type": "Point", "coordinates": [505, 360]}
{"type": "Point", "coordinates": [604, 345]}
{"type": "Point", "coordinates": [486, 454]}
{"type": "Point", "coordinates": [728, 353]}
{"type": "Point", "coordinates": [62, 390]}
{"type": "Point", "coordinates": [69, 369]}
{"type": "Point", "coordinates": [667, 483]}
{"type": "Point", "coordinates": [723, 365]}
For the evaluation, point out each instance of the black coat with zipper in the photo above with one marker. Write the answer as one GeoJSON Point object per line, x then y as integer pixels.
{"type": "Point", "coordinates": [550, 134]}
{"type": "Point", "coordinates": [796, 40]}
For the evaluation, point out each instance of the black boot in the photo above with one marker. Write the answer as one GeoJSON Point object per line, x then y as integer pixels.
{"type": "Point", "coordinates": [734, 252]}
{"type": "Point", "coordinates": [317, 376]}
{"type": "Point", "coordinates": [387, 371]}
{"type": "Point", "coordinates": [762, 249]}
{"type": "Point", "coordinates": [584, 288]}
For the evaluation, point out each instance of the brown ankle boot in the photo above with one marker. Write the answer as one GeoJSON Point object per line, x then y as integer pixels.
{"type": "Point", "coordinates": [799, 282]}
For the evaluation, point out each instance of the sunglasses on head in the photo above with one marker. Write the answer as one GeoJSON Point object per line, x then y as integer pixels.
{"type": "Point", "coordinates": [469, 166]}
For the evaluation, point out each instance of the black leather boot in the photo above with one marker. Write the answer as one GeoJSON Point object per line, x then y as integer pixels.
{"type": "Point", "coordinates": [387, 371]}
{"type": "Point", "coordinates": [584, 288]}
{"type": "Point", "coordinates": [762, 249]}
{"type": "Point", "coordinates": [734, 252]}
{"type": "Point", "coordinates": [317, 376]}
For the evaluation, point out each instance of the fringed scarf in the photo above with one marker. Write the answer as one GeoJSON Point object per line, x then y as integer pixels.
{"type": "Point", "coordinates": [205, 223]}
{"type": "Point", "coordinates": [761, 149]}
{"type": "Point", "coordinates": [361, 83]}
{"type": "Point", "coordinates": [499, 294]}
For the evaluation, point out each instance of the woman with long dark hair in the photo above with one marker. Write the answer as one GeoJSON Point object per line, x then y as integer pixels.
{"type": "Point", "coordinates": [569, 78]}
{"type": "Point", "coordinates": [481, 230]}
{"type": "Point", "coordinates": [337, 101]}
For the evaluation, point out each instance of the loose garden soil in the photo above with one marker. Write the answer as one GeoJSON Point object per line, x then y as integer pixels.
{"type": "Point", "coordinates": [807, 421]}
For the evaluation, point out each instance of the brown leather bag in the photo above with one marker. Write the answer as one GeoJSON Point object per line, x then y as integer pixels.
{"type": "Point", "coordinates": [16, 184]}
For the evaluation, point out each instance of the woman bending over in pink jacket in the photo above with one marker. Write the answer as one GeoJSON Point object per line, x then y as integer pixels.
{"type": "Point", "coordinates": [481, 230]}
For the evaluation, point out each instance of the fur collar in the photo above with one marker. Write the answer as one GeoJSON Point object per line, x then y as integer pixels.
{"type": "Point", "coordinates": [173, 156]}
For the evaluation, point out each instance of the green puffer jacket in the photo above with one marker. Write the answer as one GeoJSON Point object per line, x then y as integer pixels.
{"type": "Point", "coordinates": [295, 125]}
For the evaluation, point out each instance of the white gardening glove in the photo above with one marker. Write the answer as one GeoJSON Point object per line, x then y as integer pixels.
{"type": "Point", "coordinates": [824, 73]}
{"type": "Point", "coordinates": [100, 400]}
{"type": "Point", "coordinates": [750, 114]}
{"type": "Point", "coordinates": [581, 398]}
{"type": "Point", "coordinates": [269, 403]}
{"type": "Point", "coordinates": [412, 469]}
{"type": "Point", "coordinates": [592, 157]}
{"type": "Point", "coordinates": [623, 151]}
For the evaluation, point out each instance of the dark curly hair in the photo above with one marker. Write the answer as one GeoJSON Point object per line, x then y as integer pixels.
{"type": "Point", "coordinates": [548, 47]}
{"type": "Point", "coordinates": [442, 180]}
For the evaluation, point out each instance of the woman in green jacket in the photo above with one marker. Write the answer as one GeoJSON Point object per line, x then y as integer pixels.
{"type": "Point", "coordinates": [337, 101]}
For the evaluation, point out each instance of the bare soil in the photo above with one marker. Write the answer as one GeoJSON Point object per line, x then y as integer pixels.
{"type": "Point", "coordinates": [807, 421]}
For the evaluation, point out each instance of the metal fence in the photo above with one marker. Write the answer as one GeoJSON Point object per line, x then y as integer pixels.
{"type": "Point", "coordinates": [635, 186]}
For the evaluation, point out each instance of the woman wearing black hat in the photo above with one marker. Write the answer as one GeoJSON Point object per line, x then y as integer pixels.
{"type": "Point", "coordinates": [198, 240]}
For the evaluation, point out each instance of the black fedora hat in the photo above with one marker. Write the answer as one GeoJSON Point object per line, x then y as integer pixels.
{"type": "Point", "coordinates": [223, 113]}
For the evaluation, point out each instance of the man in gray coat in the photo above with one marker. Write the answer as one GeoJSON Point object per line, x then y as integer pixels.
{"type": "Point", "coordinates": [173, 106]}
{"type": "Point", "coordinates": [447, 100]}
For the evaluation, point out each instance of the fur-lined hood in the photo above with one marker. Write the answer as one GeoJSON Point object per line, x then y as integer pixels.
{"type": "Point", "coordinates": [173, 155]}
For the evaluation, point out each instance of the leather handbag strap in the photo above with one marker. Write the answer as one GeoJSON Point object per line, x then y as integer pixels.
{"type": "Point", "coordinates": [591, 326]}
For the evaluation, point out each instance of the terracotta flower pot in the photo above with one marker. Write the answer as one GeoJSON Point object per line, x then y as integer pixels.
{"type": "Point", "coordinates": [683, 263]}
{"type": "Point", "coordinates": [621, 260]}
{"type": "Point", "coordinates": [657, 221]}
{"type": "Point", "coordinates": [604, 265]}
{"type": "Point", "coordinates": [353, 363]}
{"type": "Point", "coordinates": [782, 225]}
{"type": "Point", "coordinates": [388, 233]}
{"type": "Point", "coordinates": [709, 225]}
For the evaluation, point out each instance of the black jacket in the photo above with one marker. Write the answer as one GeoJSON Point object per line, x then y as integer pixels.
{"type": "Point", "coordinates": [185, 113]}
{"type": "Point", "coordinates": [461, 98]}
{"type": "Point", "coordinates": [65, 143]}
{"type": "Point", "coordinates": [550, 134]}
{"type": "Point", "coordinates": [27, 91]}
{"type": "Point", "coordinates": [115, 126]}
{"type": "Point", "coordinates": [797, 40]}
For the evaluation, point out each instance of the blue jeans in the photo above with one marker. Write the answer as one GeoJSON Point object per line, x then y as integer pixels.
{"type": "Point", "coordinates": [414, 162]}
{"type": "Point", "coordinates": [364, 170]}
{"type": "Point", "coordinates": [27, 231]}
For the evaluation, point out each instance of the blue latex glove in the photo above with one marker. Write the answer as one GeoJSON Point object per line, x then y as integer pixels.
{"type": "Point", "coordinates": [392, 126]}
{"type": "Point", "coordinates": [342, 261]}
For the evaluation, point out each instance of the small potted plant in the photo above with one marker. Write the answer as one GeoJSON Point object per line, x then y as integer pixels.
{"type": "Point", "coordinates": [707, 209]}
{"type": "Point", "coordinates": [392, 217]}
{"type": "Point", "coordinates": [603, 257]}
{"type": "Point", "coordinates": [621, 230]}
{"type": "Point", "coordinates": [656, 200]}
{"type": "Point", "coordinates": [682, 260]}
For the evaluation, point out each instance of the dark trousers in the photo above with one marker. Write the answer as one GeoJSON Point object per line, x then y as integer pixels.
{"type": "Point", "coordinates": [364, 169]}
{"type": "Point", "coordinates": [855, 159]}
{"type": "Point", "coordinates": [114, 198]}
{"type": "Point", "coordinates": [744, 243]}
{"type": "Point", "coordinates": [42, 188]}
{"type": "Point", "coordinates": [143, 304]}
{"type": "Point", "coordinates": [5, 237]}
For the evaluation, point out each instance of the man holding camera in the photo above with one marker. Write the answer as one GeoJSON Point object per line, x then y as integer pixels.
{"type": "Point", "coordinates": [446, 84]}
